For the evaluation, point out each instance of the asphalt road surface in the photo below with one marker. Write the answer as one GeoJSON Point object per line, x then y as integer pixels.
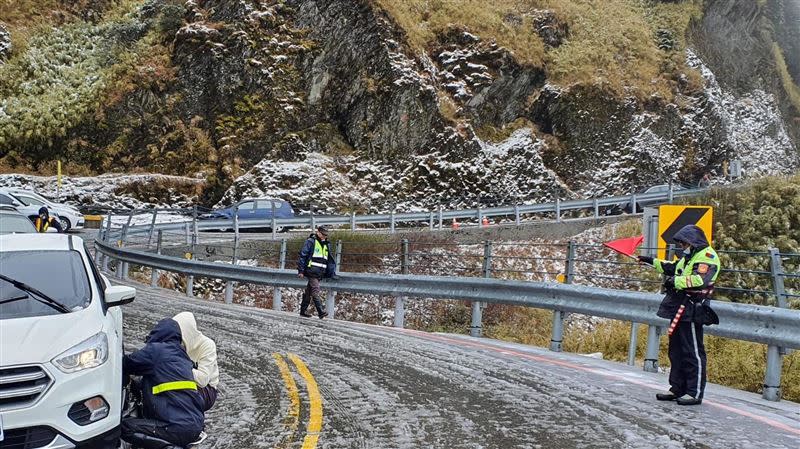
{"type": "Point", "coordinates": [292, 382]}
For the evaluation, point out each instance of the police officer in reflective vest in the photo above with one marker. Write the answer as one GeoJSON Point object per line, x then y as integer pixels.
{"type": "Point", "coordinates": [689, 284]}
{"type": "Point", "coordinates": [315, 262]}
{"type": "Point", "coordinates": [44, 221]}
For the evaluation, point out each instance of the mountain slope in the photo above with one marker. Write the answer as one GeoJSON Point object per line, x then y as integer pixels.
{"type": "Point", "coordinates": [408, 104]}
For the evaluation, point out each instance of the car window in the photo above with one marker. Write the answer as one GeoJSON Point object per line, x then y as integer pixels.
{"type": "Point", "coordinates": [13, 223]}
{"type": "Point", "coordinates": [29, 200]}
{"type": "Point", "coordinates": [247, 205]}
{"type": "Point", "coordinates": [5, 199]}
{"type": "Point", "coordinates": [58, 274]}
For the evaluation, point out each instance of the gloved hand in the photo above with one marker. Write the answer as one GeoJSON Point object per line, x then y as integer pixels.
{"type": "Point", "coordinates": [645, 259]}
{"type": "Point", "coordinates": [669, 282]}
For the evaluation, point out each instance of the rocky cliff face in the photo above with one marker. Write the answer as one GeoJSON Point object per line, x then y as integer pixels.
{"type": "Point", "coordinates": [327, 102]}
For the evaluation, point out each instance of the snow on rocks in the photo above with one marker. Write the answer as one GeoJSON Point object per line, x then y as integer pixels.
{"type": "Point", "coordinates": [112, 191]}
{"type": "Point", "coordinates": [756, 130]}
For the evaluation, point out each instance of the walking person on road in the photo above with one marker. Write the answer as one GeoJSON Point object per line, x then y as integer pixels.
{"type": "Point", "coordinates": [203, 352]}
{"type": "Point", "coordinates": [315, 262]}
{"type": "Point", "coordinates": [689, 284]}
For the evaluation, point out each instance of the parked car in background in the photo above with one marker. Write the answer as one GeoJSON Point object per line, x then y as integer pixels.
{"type": "Point", "coordinates": [642, 203]}
{"type": "Point", "coordinates": [13, 222]}
{"type": "Point", "coordinates": [30, 202]}
{"type": "Point", "coordinates": [60, 382]}
{"type": "Point", "coordinates": [254, 209]}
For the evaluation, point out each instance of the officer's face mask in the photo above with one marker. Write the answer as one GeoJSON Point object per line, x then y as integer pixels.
{"type": "Point", "coordinates": [687, 249]}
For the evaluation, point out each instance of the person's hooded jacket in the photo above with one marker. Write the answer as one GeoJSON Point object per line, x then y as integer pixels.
{"type": "Point", "coordinates": [690, 277]}
{"type": "Point", "coordinates": [169, 392]}
{"type": "Point", "coordinates": [201, 349]}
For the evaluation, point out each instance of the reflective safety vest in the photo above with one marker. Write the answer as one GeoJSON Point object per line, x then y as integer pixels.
{"type": "Point", "coordinates": [320, 257]}
{"type": "Point", "coordinates": [685, 279]}
{"type": "Point", "coordinates": [42, 225]}
{"type": "Point", "coordinates": [177, 385]}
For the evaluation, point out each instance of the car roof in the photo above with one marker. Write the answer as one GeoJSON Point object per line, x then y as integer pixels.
{"type": "Point", "coordinates": [39, 242]}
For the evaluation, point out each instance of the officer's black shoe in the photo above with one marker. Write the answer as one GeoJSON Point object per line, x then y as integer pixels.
{"type": "Point", "coordinates": [323, 315]}
{"type": "Point", "coordinates": [305, 314]}
{"type": "Point", "coordinates": [666, 396]}
{"type": "Point", "coordinates": [689, 400]}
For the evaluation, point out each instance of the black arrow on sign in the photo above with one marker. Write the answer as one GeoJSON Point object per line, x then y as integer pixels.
{"type": "Point", "coordinates": [689, 216]}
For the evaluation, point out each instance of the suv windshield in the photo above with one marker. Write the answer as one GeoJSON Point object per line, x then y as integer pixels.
{"type": "Point", "coordinates": [58, 274]}
{"type": "Point", "coordinates": [11, 223]}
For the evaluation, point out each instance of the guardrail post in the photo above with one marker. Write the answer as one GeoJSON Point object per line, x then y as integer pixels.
{"type": "Point", "coordinates": [276, 292]}
{"type": "Point", "coordinates": [400, 301]}
{"type": "Point", "coordinates": [569, 272]}
{"type": "Point", "coordinates": [776, 267]}
{"type": "Point", "coordinates": [352, 221]}
{"type": "Point", "coordinates": [187, 232]}
{"type": "Point", "coordinates": [651, 355]}
{"type": "Point", "coordinates": [154, 274]}
{"type": "Point", "coordinates": [517, 220]}
{"type": "Point", "coordinates": [229, 285]}
{"type": "Point", "coordinates": [558, 331]}
{"type": "Point", "coordinates": [476, 329]}
{"type": "Point", "coordinates": [274, 222]}
{"type": "Point", "coordinates": [313, 222]}
{"type": "Point", "coordinates": [558, 209]}
{"type": "Point", "coordinates": [670, 192]}
{"type": "Point", "coordinates": [596, 206]}
{"type": "Point", "coordinates": [430, 221]}
{"type": "Point", "coordinates": [195, 236]}
{"type": "Point", "coordinates": [772, 378]}
{"type": "Point", "coordinates": [236, 221]}
{"type": "Point", "coordinates": [391, 222]}
{"type": "Point", "coordinates": [152, 228]}
{"type": "Point", "coordinates": [330, 301]}
{"type": "Point", "coordinates": [632, 342]}
{"type": "Point", "coordinates": [441, 218]}
{"type": "Point", "coordinates": [480, 212]}
{"type": "Point", "coordinates": [558, 316]}
{"type": "Point", "coordinates": [634, 207]}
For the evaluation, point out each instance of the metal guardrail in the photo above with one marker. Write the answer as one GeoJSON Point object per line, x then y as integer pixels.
{"type": "Point", "coordinates": [433, 218]}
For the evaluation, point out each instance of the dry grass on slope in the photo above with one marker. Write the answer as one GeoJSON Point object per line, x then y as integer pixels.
{"type": "Point", "coordinates": [627, 45]}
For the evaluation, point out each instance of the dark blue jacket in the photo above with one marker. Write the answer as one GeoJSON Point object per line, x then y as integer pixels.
{"type": "Point", "coordinates": [305, 255]}
{"type": "Point", "coordinates": [164, 360]}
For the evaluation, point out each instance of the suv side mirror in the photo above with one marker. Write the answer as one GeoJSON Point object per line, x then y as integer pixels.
{"type": "Point", "coordinates": [118, 295]}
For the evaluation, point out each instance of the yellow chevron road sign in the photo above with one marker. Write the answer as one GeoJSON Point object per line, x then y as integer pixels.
{"type": "Point", "coordinates": [672, 218]}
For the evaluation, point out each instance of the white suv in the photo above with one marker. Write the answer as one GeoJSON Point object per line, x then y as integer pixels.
{"type": "Point", "coordinates": [60, 345]}
{"type": "Point", "coordinates": [69, 216]}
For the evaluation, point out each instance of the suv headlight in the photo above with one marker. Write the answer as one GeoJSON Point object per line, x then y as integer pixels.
{"type": "Point", "coordinates": [90, 353]}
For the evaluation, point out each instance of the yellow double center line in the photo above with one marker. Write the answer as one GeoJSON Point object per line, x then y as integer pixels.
{"type": "Point", "coordinates": [315, 399]}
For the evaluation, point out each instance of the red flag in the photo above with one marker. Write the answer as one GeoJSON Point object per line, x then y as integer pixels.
{"type": "Point", "coordinates": [625, 246]}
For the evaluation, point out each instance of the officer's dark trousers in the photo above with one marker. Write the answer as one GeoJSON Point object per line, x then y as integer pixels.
{"type": "Point", "coordinates": [313, 291]}
{"type": "Point", "coordinates": [687, 358]}
{"type": "Point", "coordinates": [158, 429]}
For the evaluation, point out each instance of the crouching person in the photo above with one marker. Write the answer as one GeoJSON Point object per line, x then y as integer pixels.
{"type": "Point", "coordinates": [203, 353]}
{"type": "Point", "coordinates": [172, 408]}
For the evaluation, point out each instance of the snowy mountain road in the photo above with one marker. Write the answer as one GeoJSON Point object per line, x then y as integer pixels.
{"type": "Point", "coordinates": [303, 382]}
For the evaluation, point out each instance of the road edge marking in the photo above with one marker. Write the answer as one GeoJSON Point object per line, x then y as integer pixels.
{"type": "Point", "coordinates": [315, 412]}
